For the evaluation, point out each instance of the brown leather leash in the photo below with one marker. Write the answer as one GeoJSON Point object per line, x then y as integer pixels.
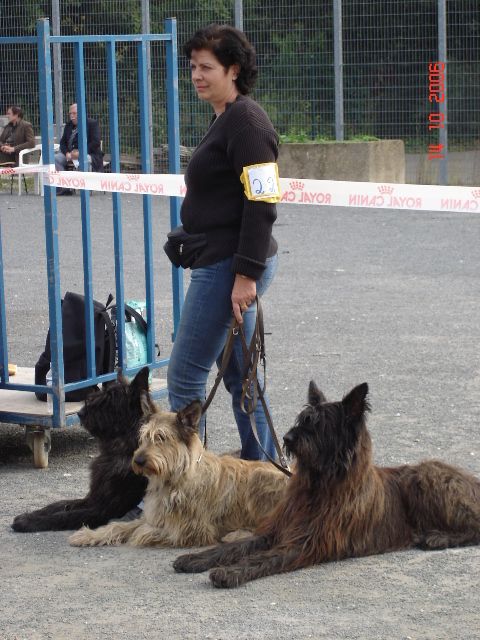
{"type": "Point", "coordinates": [252, 391]}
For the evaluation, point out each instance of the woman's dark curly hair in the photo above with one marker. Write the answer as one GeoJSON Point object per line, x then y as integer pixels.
{"type": "Point", "coordinates": [229, 46]}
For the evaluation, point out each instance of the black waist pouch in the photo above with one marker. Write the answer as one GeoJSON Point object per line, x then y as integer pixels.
{"type": "Point", "coordinates": [183, 248]}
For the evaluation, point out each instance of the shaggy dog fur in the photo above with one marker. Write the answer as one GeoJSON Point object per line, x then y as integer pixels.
{"type": "Point", "coordinates": [339, 505]}
{"type": "Point", "coordinates": [113, 416]}
{"type": "Point", "coordinates": [194, 497]}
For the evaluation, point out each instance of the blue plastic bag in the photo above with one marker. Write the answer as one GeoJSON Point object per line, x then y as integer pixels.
{"type": "Point", "coordinates": [135, 335]}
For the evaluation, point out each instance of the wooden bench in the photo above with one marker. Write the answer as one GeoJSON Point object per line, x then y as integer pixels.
{"type": "Point", "coordinates": [130, 163]}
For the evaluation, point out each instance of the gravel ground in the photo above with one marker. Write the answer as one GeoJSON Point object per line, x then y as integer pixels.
{"type": "Point", "coordinates": [387, 297]}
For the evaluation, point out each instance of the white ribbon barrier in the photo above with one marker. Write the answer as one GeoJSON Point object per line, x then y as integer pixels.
{"type": "Point", "coordinates": [156, 184]}
{"type": "Point", "coordinates": [35, 168]}
{"type": "Point", "coordinates": [331, 193]}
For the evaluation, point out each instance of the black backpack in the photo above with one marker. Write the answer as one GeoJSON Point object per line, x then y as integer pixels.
{"type": "Point", "coordinates": [74, 345]}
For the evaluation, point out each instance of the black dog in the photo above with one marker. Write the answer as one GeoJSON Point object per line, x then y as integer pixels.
{"type": "Point", "coordinates": [114, 417]}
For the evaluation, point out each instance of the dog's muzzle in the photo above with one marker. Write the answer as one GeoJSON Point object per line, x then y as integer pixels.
{"type": "Point", "coordinates": [289, 440]}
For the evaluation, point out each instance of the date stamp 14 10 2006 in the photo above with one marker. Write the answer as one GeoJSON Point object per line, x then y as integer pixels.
{"type": "Point", "coordinates": [436, 96]}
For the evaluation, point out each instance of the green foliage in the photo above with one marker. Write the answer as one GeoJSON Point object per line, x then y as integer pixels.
{"type": "Point", "coordinates": [91, 16]}
{"type": "Point", "coordinates": [304, 138]}
{"type": "Point", "coordinates": [386, 52]}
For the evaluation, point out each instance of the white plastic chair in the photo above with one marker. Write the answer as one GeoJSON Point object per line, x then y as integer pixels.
{"type": "Point", "coordinates": [37, 176]}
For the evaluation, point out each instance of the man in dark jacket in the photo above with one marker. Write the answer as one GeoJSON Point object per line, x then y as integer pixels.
{"type": "Point", "coordinates": [69, 143]}
{"type": "Point", "coordinates": [16, 136]}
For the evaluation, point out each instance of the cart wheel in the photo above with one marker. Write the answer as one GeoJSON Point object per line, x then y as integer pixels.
{"type": "Point", "coordinates": [41, 448]}
{"type": "Point", "coordinates": [29, 436]}
{"type": "Point", "coordinates": [30, 431]}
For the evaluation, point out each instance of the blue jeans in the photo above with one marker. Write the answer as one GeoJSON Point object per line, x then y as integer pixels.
{"type": "Point", "coordinates": [203, 329]}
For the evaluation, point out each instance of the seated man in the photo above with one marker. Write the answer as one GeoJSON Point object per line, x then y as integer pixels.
{"type": "Point", "coordinates": [68, 152]}
{"type": "Point", "coordinates": [16, 136]}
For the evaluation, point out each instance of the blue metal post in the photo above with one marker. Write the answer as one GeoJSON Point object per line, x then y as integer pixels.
{"type": "Point", "coordinates": [173, 120]}
{"type": "Point", "coordinates": [239, 14]}
{"type": "Point", "coordinates": [146, 145]}
{"type": "Point", "coordinates": [338, 68]}
{"type": "Point", "coordinates": [85, 208]}
{"type": "Point", "coordinates": [443, 106]}
{"type": "Point", "coordinates": [3, 320]}
{"type": "Point", "coordinates": [116, 200]}
{"type": "Point", "coordinates": [51, 223]}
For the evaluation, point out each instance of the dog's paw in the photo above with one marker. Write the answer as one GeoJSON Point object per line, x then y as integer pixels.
{"type": "Point", "coordinates": [191, 563]}
{"type": "Point", "coordinates": [22, 523]}
{"type": "Point", "coordinates": [433, 541]}
{"type": "Point", "coordinates": [225, 578]}
{"type": "Point", "coordinates": [84, 537]}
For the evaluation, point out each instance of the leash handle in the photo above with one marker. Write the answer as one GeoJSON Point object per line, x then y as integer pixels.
{"type": "Point", "coordinates": [251, 389]}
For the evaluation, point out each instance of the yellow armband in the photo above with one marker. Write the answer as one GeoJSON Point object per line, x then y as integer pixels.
{"type": "Point", "coordinates": [261, 182]}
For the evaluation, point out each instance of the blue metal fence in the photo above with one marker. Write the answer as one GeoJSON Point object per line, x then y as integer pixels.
{"type": "Point", "coordinates": [44, 42]}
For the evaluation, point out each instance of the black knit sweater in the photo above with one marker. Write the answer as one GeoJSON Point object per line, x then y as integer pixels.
{"type": "Point", "coordinates": [215, 202]}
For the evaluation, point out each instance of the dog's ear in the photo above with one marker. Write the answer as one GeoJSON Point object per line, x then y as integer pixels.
{"type": "Point", "coordinates": [355, 403]}
{"type": "Point", "coordinates": [189, 417]}
{"type": "Point", "coordinates": [91, 391]}
{"type": "Point", "coordinates": [315, 396]}
{"type": "Point", "coordinates": [139, 392]}
{"type": "Point", "coordinates": [140, 382]}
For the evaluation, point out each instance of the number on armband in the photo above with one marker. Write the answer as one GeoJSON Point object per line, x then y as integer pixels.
{"type": "Point", "coordinates": [261, 182]}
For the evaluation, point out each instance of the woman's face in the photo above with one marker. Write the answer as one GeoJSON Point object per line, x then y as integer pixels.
{"type": "Point", "coordinates": [213, 83]}
{"type": "Point", "coordinates": [11, 116]}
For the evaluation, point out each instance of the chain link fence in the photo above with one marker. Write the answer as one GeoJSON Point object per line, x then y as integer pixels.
{"type": "Point", "coordinates": [383, 70]}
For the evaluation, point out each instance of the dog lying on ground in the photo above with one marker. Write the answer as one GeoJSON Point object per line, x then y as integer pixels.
{"type": "Point", "coordinates": [339, 505]}
{"type": "Point", "coordinates": [113, 416]}
{"type": "Point", "coordinates": [194, 497]}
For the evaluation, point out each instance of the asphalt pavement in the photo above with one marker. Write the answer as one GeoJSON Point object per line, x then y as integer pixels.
{"type": "Point", "coordinates": [383, 296]}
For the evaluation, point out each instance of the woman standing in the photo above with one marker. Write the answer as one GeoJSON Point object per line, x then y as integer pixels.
{"type": "Point", "coordinates": [239, 258]}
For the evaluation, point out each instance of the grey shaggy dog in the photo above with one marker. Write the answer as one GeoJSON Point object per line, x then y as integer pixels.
{"type": "Point", "coordinates": [194, 497]}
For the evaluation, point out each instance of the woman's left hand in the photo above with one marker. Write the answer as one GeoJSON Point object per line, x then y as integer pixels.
{"type": "Point", "coordinates": [243, 294]}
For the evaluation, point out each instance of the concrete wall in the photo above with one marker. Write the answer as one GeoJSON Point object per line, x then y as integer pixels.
{"type": "Point", "coordinates": [378, 161]}
{"type": "Point", "coordinates": [463, 168]}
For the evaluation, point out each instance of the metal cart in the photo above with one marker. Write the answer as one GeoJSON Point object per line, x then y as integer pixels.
{"type": "Point", "coordinates": [18, 403]}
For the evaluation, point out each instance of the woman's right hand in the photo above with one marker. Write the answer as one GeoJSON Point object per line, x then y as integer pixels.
{"type": "Point", "coordinates": [243, 294]}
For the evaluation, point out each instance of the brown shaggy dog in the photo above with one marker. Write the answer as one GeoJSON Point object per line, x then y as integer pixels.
{"type": "Point", "coordinates": [194, 497]}
{"type": "Point", "coordinates": [339, 505]}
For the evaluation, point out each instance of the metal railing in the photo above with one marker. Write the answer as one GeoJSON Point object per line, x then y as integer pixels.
{"type": "Point", "coordinates": [334, 69]}
{"type": "Point", "coordinates": [43, 42]}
